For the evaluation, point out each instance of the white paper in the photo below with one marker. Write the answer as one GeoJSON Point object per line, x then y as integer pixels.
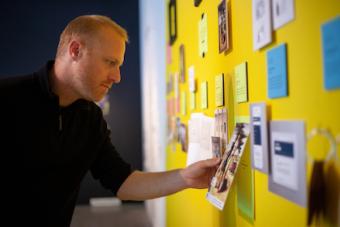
{"type": "Point", "coordinates": [285, 165]}
{"type": "Point", "coordinates": [191, 73]}
{"type": "Point", "coordinates": [262, 31]}
{"type": "Point", "coordinates": [257, 148]}
{"type": "Point", "coordinates": [200, 128]}
{"type": "Point", "coordinates": [207, 131]}
{"type": "Point", "coordinates": [283, 12]}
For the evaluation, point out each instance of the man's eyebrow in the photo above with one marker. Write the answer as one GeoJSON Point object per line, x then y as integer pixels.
{"type": "Point", "coordinates": [116, 60]}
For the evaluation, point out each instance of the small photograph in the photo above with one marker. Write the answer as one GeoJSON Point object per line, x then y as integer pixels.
{"type": "Point", "coordinates": [183, 137]}
{"type": "Point", "coordinates": [221, 128]}
{"type": "Point", "coordinates": [223, 34]}
{"type": "Point", "coordinates": [170, 84]}
{"type": "Point", "coordinates": [197, 2]}
{"type": "Point", "coordinates": [172, 12]}
{"type": "Point", "coordinates": [181, 64]}
{"type": "Point", "coordinates": [178, 131]}
{"type": "Point", "coordinates": [216, 146]}
{"type": "Point", "coordinates": [224, 176]}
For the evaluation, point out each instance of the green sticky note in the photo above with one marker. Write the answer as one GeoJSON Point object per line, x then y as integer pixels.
{"type": "Point", "coordinates": [192, 100]}
{"type": "Point", "coordinates": [245, 180]}
{"type": "Point", "coordinates": [183, 103]}
{"type": "Point", "coordinates": [245, 186]}
{"type": "Point", "coordinates": [204, 95]}
{"type": "Point", "coordinates": [241, 83]}
{"type": "Point", "coordinates": [219, 90]}
{"type": "Point", "coordinates": [242, 119]}
{"type": "Point", "coordinates": [203, 35]}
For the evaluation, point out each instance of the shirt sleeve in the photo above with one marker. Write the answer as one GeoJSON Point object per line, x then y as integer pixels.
{"type": "Point", "coordinates": [109, 167]}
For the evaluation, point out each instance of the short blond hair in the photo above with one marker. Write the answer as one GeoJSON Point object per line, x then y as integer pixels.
{"type": "Point", "coordinates": [87, 25]}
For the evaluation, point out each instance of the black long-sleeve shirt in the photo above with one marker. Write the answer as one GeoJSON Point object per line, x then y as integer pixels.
{"type": "Point", "coordinates": [46, 150]}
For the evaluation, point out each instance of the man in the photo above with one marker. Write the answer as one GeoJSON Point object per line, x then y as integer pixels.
{"type": "Point", "coordinates": [52, 133]}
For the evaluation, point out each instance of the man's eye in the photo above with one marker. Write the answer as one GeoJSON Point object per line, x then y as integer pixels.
{"type": "Point", "coordinates": [111, 63]}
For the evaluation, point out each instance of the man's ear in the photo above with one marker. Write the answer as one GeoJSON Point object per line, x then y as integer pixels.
{"type": "Point", "coordinates": [75, 49]}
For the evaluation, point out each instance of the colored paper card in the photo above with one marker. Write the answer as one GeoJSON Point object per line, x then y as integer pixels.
{"type": "Point", "coordinates": [245, 181]}
{"type": "Point", "coordinates": [277, 72]}
{"type": "Point", "coordinates": [183, 103]}
{"type": "Point", "coordinates": [283, 12]}
{"type": "Point", "coordinates": [168, 54]}
{"type": "Point", "coordinates": [262, 29]}
{"type": "Point", "coordinates": [176, 85]}
{"type": "Point", "coordinates": [287, 177]}
{"type": "Point", "coordinates": [219, 90]}
{"type": "Point", "coordinates": [192, 83]}
{"type": "Point", "coordinates": [241, 83]}
{"type": "Point", "coordinates": [331, 53]}
{"type": "Point", "coordinates": [245, 187]}
{"type": "Point", "coordinates": [203, 35]}
{"type": "Point", "coordinates": [192, 100]}
{"type": "Point", "coordinates": [204, 95]}
{"type": "Point", "coordinates": [259, 136]}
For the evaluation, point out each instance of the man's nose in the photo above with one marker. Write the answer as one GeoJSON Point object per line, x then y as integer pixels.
{"type": "Point", "coordinates": [114, 76]}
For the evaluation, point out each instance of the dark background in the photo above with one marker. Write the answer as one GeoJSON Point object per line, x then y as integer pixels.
{"type": "Point", "coordinates": [29, 37]}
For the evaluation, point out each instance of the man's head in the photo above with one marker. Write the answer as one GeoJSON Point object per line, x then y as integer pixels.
{"type": "Point", "coordinates": [89, 55]}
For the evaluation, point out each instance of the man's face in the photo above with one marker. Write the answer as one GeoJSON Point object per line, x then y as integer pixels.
{"type": "Point", "coordinates": [98, 67]}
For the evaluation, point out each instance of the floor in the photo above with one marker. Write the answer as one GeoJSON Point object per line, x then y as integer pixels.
{"type": "Point", "coordinates": [125, 215]}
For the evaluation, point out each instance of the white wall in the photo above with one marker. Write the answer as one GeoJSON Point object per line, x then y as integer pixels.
{"type": "Point", "coordinates": [153, 69]}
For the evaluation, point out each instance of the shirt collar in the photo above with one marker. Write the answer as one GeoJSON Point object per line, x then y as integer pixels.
{"type": "Point", "coordinates": [44, 79]}
{"type": "Point", "coordinates": [45, 83]}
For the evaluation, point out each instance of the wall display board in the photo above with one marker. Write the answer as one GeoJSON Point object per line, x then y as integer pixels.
{"type": "Point", "coordinates": [280, 65]}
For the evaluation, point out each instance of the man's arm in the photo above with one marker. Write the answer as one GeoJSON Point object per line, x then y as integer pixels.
{"type": "Point", "coordinates": [149, 185]}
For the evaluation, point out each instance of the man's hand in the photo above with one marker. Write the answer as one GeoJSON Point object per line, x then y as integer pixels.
{"type": "Point", "coordinates": [198, 174]}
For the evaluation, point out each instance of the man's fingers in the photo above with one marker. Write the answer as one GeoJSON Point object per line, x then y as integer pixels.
{"type": "Point", "coordinates": [212, 162]}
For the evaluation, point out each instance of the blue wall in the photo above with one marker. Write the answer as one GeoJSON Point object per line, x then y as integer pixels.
{"type": "Point", "coordinates": [29, 37]}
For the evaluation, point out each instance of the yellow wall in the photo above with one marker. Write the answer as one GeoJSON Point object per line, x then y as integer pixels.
{"type": "Point", "coordinates": [307, 99]}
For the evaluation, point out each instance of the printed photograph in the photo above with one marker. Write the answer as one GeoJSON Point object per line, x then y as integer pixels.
{"type": "Point", "coordinates": [223, 35]}
{"type": "Point", "coordinates": [172, 13]}
{"type": "Point", "coordinates": [216, 146]}
{"type": "Point", "coordinates": [181, 64]}
{"type": "Point", "coordinates": [222, 181]}
{"type": "Point", "coordinates": [183, 137]}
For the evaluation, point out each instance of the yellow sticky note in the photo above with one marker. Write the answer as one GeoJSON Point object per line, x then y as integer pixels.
{"type": "Point", "coordinates": [183, 103]}
{"type": "Point", "coordinates": [203, 35]}
{"type": "Point", "coordinates": [241, 82]}
{"type": "Point", "coordinates": [204, 95]}
{"type": "Point", "coordinates": [219, 90]}
{"type": "Point", "coordinates": [192, 100]}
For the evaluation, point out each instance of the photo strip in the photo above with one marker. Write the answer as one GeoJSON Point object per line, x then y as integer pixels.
{"type": "Point", "coordinates": [223, 33]}
{"type": "Point", "coordinates": [221, 132]}
{"type": "Point", "coordinates": [221, 182]}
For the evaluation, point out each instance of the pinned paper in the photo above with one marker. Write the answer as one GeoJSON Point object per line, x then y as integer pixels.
{"type": "Point", "coordinates": [200, 130]}
{"type": "Point", "coordinates": [219, 90]}
{"type": "Point", "coordinates": [203, 35]}
{"type": "Point", "coordinates": [277, 72]}
{"type": "Point", "coordinates": [283, 12]}
{"type": "Point", "coordinates": [192, 83]}
{"type": "Point", "coordinates": [168, 54]}
{"type": "Point", "coordinates": [259, 138]}
{"type": "Point", "coordinates": [288, 161]}
{"type": "Point", "coordinates": [183, 103]}
{"type": "Point", "coordinates": [331, 53]}
{"type": "Point", "coordinates": [241, 83]}
{"type": "Point", "coordinates": [262, 31]}
{"type": "Point", "coordinates": [204, 95]}
{"type": "Point", "coordinates": [192, 100]}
